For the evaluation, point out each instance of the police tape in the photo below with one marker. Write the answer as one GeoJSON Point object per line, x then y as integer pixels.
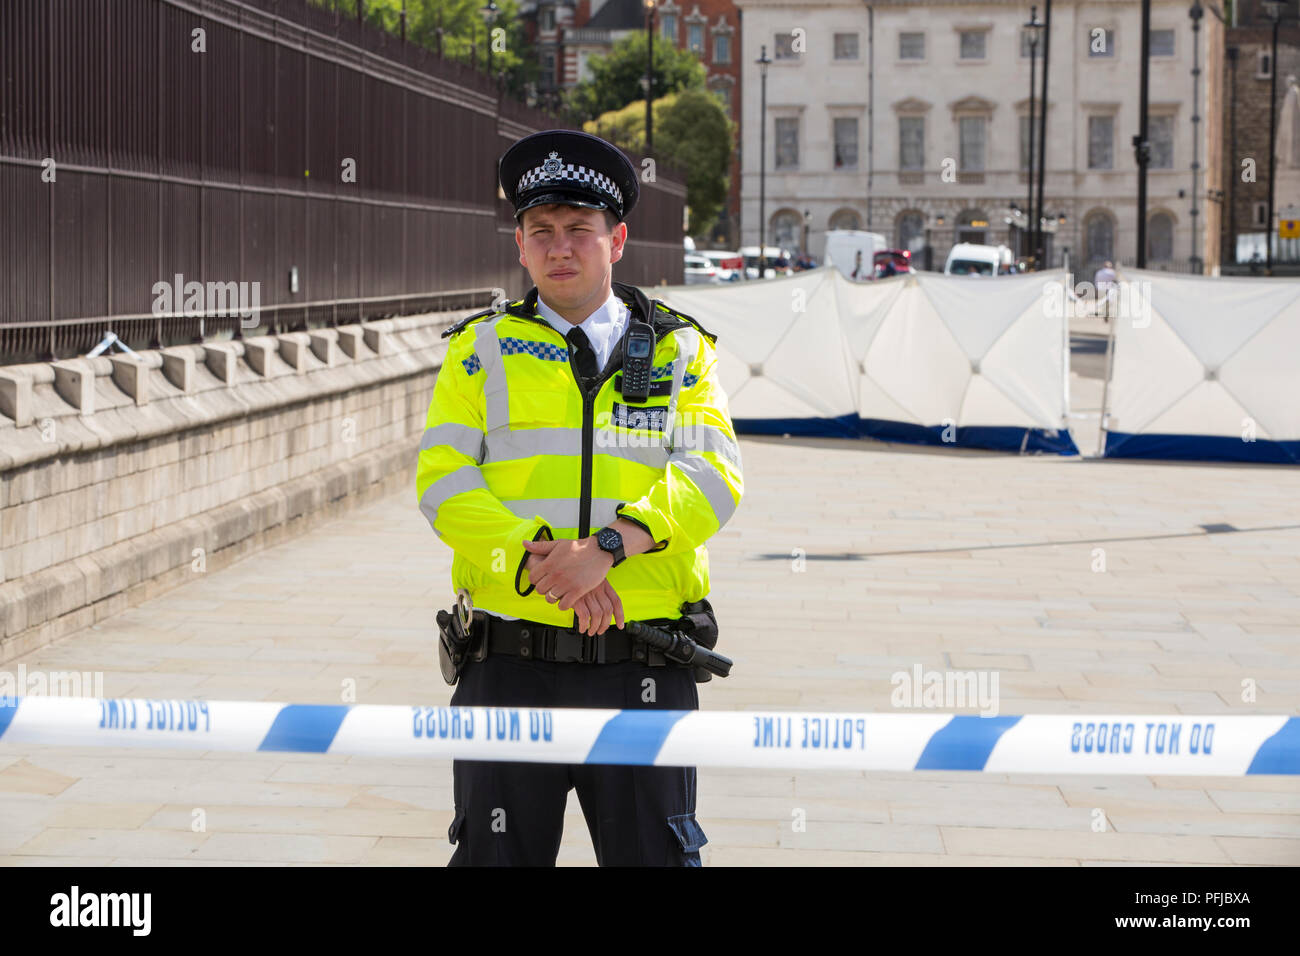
{"type": "Point", "coordinates": [1110, 744]}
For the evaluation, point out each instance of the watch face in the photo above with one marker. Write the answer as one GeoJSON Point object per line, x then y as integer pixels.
{"type": "Point", "coordinates": [609, 539]}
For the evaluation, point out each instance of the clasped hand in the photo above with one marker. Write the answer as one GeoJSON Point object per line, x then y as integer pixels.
{"type": "Point", "coordinates": [571, 575]}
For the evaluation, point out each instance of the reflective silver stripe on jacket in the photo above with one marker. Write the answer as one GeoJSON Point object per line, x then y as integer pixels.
{"type": "Point", "coordinates": [464, 478]}
{"type": "Point", "coordinates": [496, 395]}
{"type": "Point", "coordinates": [711, 484]}
{"type": "Point", "coordinates": [693, 437]}
{"type": "Point", "coordinates": [688, 346]}
{"type": "Point", "coordinates": [466, 440]}
{"type": "Point", "coordinates": [563, 512]}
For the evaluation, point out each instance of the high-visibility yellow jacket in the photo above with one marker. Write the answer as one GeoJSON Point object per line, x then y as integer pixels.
{"type": "Point", "coordinates": [514, 450]}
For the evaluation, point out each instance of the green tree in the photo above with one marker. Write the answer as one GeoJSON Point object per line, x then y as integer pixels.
{"type": "Point", "coordinates": [463, 30]}
{"type": "Point", "coordinates": [693, 132]}
{"type": "Point", "coordinates": [619, 78]}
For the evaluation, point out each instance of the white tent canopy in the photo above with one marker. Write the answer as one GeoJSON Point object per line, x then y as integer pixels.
{"type": "Point", "coordinates": [1206, 368]}
{"type": "Point", "coordinates": [978, 362]}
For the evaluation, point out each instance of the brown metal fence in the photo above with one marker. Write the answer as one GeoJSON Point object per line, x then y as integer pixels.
{"type": "Point", "coordinates": [216, 141]}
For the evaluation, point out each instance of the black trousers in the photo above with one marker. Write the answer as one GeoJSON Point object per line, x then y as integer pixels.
{"type": "Point", "coordinates": [512, 814]}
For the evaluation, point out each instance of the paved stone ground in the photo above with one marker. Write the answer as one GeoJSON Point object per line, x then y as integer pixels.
{"type": "Point", "coordinates": [968, 561]}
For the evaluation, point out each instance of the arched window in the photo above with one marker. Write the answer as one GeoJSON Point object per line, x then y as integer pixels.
{"type": "Point", "coordinates": [845, 219]}
{"type": "Point", "coordinates": [911, 230]}
{"type": "Point", "coordinates": [786, 229]}
{"type": "Point", "coordinates": [1160, 237]}
{"type": "Point", "coordinates": [1099, 237]}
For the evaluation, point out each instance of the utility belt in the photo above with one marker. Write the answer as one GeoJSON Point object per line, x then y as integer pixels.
{"type": "Point", "coordinates": [465, 635]}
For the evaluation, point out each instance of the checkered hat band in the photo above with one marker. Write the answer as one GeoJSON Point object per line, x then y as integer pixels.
{"type": "Point", "coordinates": [571, 173]}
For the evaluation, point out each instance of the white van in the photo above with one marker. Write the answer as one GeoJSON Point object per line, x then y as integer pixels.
{"type": "Point", "coordinates": [777, 262]}
{"type": "Point", "coordinates": [851, 250]}
{"type": "Point", "coordinates": [969, 259]}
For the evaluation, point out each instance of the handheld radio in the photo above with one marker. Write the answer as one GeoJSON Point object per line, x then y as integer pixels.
{"type": "Point", "coordinates": [638, 357]}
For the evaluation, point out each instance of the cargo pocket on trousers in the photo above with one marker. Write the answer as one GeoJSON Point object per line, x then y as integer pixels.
{"type": "Point", "coordinates": [689, 834]}
{"type": "Point", "coordinates": [453, 831]}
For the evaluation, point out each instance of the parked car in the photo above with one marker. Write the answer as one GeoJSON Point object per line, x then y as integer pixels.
{"type": "Point", "coordinates": [778, 262]}
{"type": "Point", "coordinates": [970, 259]}
{"type": "Point", "coordinates": [700, 271]}
{"type": "Point", "coordinates": [730, 265]}
{"type": "Point", "coordinates": [901, 259]}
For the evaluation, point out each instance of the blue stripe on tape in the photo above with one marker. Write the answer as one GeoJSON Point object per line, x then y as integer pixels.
{"type": "Point", "coordinates": [304, 728]}
{"type": "Point", "coordinates": [634, 736]}
{"type": "Point", "coordinates": [964, 743]}
{"type": "Point", "coordinates": [1279, 754]}
{"type": "Point", "coordinates": [8, 707]}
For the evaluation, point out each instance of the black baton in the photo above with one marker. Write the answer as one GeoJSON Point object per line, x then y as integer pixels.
{"type": "Point", "coordinates": [679, 647]}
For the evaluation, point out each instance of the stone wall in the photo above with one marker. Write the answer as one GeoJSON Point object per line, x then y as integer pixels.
{"type": "Point", "coordinates": [122, 477]}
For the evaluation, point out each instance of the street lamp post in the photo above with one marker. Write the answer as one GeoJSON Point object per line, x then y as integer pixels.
{"type": "Point", "coordinates": [1274, 8]}
{"type": "Point", "coordinates": [762, 62]}
{"type": "Point", "coordinates": [649, 72]}
{"type": "Point", "coordinates": [1039, 259]}
{"type": "Point", "coordinates": [489, 17]}
{"type": "Point", "coordinates": [807, 221]}
{"type": "Point", "coordinates": [1196, 12]}
{"type": "Point", "coordinates": [1033, 26]}
{"type": "Point", "coordinates": [1141, 144]}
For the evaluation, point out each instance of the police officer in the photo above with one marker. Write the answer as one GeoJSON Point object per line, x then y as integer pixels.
{"type": "Point", "coordinates": [576, 497]}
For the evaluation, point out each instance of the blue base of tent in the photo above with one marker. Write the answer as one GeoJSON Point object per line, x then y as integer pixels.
{"type": "Point", "coordinates": [1037, 440]}
{"type": "Point", "coordinates": [1201, 448]}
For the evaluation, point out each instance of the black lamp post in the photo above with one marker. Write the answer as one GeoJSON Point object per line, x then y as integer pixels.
{"type": "Point", "coordinates": [649, 72]}
{"type": "Point", "coordinates": [1033, 26]}
{"type": "Point", "coordinates": [807, 221]}
{"type": "Point", "coordinates": [1039, 259]}
{"type": "Point", "coordinates": [489, 17]}
{"type": "Point", "coordinates": [1141, 144]}
{"type": "Point", "coordinates": [1196, 11]}
{"type": "Point", "coordinates": [1274, 8]}
{"type": "Point", "coordinates": [762, 62]}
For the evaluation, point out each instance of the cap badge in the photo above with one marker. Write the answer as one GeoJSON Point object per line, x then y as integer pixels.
{"type": "Point", "coordinates": [553, 165]}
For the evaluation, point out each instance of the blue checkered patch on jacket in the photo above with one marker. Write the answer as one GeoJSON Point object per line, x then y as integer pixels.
{"type": "Point", "coordinates": [541, 350]}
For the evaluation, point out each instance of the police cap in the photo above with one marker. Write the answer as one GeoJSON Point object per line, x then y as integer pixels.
{"type": "Point", "coordinates": [568, 167]}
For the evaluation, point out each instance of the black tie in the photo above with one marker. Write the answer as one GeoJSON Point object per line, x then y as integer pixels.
{"type": "Point", "coordinates": [584, 357]}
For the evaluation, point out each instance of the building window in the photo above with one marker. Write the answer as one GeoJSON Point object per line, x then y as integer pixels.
{"type": "Point", "coordinates": [1099, 235]}
{"type": "Point", "coordinates": [784, 44]}
{"type": "Point", "coordinates": [668, 27]}
{"type": "Point", "coordinates": [1101, 142]}
{"type": "Point", "coordinates": [1162, 42]}
{"type": "Point", "coordinates": [787, 142]}
{"type": "Point", "coordinates": [1263, 65]}
{"type": "Point", "coordinates": [786, 225]}
{"type": "Point", "coordinates": [1259, 216]}
{"type": "Point", "coordinates": [546, 19]}
{"type": "Point", "coordinates": [695, 37]}
{"type": "Point", "coordinates": [911, 143]}
{"type": "Point", "coordinates": [971, 129]}
{"type": "Point", "coordinates": [1160, 237]}
{"type": "Point", "coordinates": [911, 46]}
{"type": "Point", "coordinates": [722, 48]}
{"type": "Point", "coordinates": [846, 46]}
{"type": "Point", "coordinates": [845, 219]}
{"type": "Point", "coordinates": [1160, 133]}
{"type": "Point", "coordinates": [1101, 42]}
{"type": "Point", "coordinates": [911, 231]}
{"type": "Point", "coordinates": [723, 93]}
{"type": "Point", "coordinates": [972, 44]}
{"type": "Point", "coordinates": [846, 142]}
{"type": "Point", "coordinates": [1025, 136]}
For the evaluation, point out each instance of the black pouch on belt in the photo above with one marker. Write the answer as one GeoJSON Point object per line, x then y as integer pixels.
{"type": "Point", "coordinates": [453, 646]}
{"type": "Point", "coordinates": [699, 621]}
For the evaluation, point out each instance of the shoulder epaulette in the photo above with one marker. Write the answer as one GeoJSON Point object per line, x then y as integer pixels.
{"type": "Point", "coordinates": [688, 319]}
{"type": "Point", "coordinates": [467, 320]}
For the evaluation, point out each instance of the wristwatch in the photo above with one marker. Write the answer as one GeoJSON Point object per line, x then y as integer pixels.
{"type": "Point", "coordinates": [607, 539]}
